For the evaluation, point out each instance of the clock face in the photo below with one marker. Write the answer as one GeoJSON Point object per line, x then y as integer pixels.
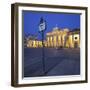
{"type": "Point", "coordinates": [42, 26]}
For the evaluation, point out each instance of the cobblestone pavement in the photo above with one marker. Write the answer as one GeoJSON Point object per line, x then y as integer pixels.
{"type": "Point", "coordinates": [65, 61]}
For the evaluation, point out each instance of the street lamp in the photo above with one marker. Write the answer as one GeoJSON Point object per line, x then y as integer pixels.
{"type": "Point", "coordinates": [42, 28]}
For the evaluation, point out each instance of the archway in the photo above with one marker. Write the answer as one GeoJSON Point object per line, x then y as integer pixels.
{"type": "Point", "coordinates": [76, 45]}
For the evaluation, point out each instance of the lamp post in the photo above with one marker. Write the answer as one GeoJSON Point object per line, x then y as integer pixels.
{"type": "Point", "coordinates": [42, 28]}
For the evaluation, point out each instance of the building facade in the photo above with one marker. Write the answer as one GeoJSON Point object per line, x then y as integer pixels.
{"type": "Point", "coordinates": [63, 38]}
{"type": "Point", "coordinates": [57, 38]}
{"type": "Point", "coordinates": [33, 42]}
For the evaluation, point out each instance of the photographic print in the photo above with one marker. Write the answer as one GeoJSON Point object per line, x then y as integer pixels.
{"type": "Point", "coordinates": [49, 45]}
{"type": "Point", "coordinates": [60, 43]}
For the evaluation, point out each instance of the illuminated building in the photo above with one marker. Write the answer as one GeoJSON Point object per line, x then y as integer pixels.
{"type": "Point", "coordinates": [73, 39]}
{"type": "Point", "coordinates": [57, 38]}
{"type": "Point", "coordinates": [32, 42]}
{"type": "Point", "coordinates": [63, 38]}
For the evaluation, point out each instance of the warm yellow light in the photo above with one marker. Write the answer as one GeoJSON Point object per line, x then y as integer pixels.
{"type": "Point", "coordinates": [57, 38]}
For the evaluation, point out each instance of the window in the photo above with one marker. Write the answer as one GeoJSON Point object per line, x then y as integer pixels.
{"type": "Point", "coordinates": [75, 37]}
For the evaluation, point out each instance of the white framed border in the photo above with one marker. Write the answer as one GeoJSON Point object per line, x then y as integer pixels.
{"type": "Point", "coordinates": [34, 80]}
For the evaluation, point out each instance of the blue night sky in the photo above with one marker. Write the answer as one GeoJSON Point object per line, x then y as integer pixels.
{"type": "Point", "coordinates": [62, 20]}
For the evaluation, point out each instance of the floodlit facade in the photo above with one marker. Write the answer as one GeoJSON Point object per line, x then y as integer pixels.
{"type": "Point", "coordinates": [58, 38]}
{"type": "Point", "coordinates": [34, 43]}
{"type": "Point", "coordinates": [63, 38]}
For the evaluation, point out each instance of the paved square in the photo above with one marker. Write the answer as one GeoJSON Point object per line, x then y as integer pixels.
{"type": "Point", "coordinates": [64, 61]}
